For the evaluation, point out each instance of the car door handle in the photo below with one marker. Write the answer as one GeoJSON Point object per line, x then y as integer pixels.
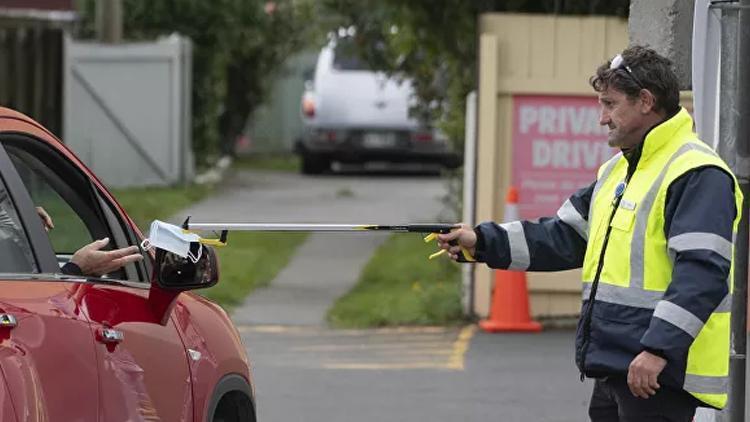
{"type": "Point", "coordinates": [8, 321]}
{"type": "Point", "coordinates": [110, 336]}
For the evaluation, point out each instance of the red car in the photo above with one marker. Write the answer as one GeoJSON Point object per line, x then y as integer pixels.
{"type": "Point", "coordinates": [127, 346]}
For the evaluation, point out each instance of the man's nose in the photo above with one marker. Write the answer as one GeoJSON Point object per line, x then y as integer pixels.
{"type": "Point", "coordinates": [604, 117]}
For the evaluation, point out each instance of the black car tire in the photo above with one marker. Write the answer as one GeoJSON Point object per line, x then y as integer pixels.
{"type": "Point", "coordinates": [312, 164]}
{"type": "Point", "coordinates": [231, 401]}
{"type": "Point", "coordinates": [452, 163]}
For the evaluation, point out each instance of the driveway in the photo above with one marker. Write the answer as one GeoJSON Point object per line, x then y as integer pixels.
{"type": "Point", "coordinates": [305, 371]}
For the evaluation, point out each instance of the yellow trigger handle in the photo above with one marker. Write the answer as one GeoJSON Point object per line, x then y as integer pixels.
{"type": "Point", "coordinates": [212, 242]}
{"type": "Point", "coordinates": [433, 236]}
{"type": "Point", "coordinates": [209, 242]}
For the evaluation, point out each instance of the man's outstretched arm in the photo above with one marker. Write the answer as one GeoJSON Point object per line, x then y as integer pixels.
{"type": "Point", "coordinates": [549, 244]}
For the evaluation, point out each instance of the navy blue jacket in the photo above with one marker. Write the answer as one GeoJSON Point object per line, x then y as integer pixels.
{"type": "Point", "coordinates": [702, 200]}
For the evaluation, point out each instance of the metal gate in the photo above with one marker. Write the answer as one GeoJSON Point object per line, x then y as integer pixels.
{"type": "Point", "coordinates": [127, 110]}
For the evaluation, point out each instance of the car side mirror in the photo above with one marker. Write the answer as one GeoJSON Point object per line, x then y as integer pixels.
{"type": "Point", "coordinates": [174, 272]}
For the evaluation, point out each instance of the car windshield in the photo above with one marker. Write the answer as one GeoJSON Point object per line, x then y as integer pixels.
{"type": "Point", "coordinates": [345, 56]}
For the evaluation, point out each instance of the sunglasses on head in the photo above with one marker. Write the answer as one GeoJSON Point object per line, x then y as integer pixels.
{"type": "Point", "coordinates": [618, 63]}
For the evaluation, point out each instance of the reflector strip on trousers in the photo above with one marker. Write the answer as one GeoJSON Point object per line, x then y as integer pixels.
{"type": "Point", "coordinates": [703, 384]}
{"type": "Point", "coordinates": [704, 241]}
{"type": "Point", "coordinates": [519, 249]}
{"type": "Point", "coordinates": [600, 181]}
{"type": "Point", "coordinates": [679, 317]}
{"type": "Point", "coordinates": [570, 216]}
{"type": "Point", "coordinates": [637, 245]}
{"type": "Point", "coordinates": [637, 297]}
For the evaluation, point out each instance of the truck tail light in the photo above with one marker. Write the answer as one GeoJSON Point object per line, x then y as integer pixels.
{"type": "Point", "coordinates": [308, 107]}
{"type": "Point", "coordinates": [327, 136]}
{"type": "Point", "coordinates": [421, 137]}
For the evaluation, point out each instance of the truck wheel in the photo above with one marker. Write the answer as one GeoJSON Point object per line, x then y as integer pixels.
{"type": "Point", "coordinates": [314, 165]}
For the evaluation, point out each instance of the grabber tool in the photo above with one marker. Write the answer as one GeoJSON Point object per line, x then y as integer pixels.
{"type": "Point", "coordinates": [224, 228]}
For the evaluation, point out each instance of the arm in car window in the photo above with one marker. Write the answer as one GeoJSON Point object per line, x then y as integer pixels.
{"type": "Point", "coordinates": [91, 260]}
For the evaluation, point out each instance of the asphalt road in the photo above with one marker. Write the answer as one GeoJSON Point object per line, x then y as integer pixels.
{"type": "Point", "coordinates": [307, 372]}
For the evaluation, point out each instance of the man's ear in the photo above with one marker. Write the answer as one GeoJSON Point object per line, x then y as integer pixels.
{"type": "Point", "coordinates": [648, 101]}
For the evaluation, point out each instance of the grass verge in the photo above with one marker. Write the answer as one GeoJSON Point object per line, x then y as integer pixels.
{"type": "Point", "coordinates": [248, 261]}
{"type": "Point", "coordinates": [272, 162]}
{"type": "Point", "coordinates": [400, 286]}
{"type": "Point", "coordinates": [144, 205]}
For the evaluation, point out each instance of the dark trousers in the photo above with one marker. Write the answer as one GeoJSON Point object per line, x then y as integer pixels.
{"type": "Point", "coordinates": [612, 401]}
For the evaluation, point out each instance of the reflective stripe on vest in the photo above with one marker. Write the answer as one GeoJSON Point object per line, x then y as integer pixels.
{"type": "Point", "coordinates": [638, 298]}
{"type": "Point", "coordinates": [706, 385]}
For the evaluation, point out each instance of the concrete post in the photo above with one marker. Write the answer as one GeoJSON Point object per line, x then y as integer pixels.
{"type": "Point", "coordinates": [666, 26]}
{"type": "Point", "coordinates": [738, 364]}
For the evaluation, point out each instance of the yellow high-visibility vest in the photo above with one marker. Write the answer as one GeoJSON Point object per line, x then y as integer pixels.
{"type": "Point", "coordinates": [638, 264]}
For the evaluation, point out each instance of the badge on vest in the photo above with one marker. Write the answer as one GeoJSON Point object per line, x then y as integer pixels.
{"type": "Point", "coordinates": [619, 190]}
{"type": "Point", "coordinates": [628, 205]}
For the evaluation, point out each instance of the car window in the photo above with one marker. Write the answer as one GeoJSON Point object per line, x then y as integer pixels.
{"type": "Point", "coordinates": [69, 232]}
{"type": "Point", "coordinates": [79, 213]}
{"type": "Point", "coordinates": [15, 249]}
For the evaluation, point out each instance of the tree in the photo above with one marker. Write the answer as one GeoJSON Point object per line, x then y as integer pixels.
{"type": "Point", "coordinates": [237, 47]}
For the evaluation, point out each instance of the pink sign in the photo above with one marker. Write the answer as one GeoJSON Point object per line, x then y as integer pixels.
{"type": "Point", "coordinates": [558, 145]}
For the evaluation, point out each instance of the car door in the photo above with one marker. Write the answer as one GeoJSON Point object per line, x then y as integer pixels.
{"type": "Point", "coordinates": [46, 343]}
{"type": "Point", "coordinates": [142, 362]}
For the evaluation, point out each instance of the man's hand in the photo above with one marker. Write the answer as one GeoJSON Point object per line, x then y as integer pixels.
{"type": "Point", "coordinates": [46, 219]}
{"type": "Point", "coordinates": [95, 262]}
{"type": "Point", "coordinates": [643, 372]}
{"type": "Point", "coordinates": [464, 236]}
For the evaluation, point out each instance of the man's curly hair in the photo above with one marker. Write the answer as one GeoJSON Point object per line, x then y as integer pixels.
{"type": "Point", "coordinates": [652, 70]}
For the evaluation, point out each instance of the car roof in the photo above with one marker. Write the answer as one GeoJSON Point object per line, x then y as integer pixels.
{"type": "Point", "coordinates": [14, 121]}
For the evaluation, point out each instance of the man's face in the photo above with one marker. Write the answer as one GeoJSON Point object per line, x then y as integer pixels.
{"type": "Point", "coordinates": [624, 117]}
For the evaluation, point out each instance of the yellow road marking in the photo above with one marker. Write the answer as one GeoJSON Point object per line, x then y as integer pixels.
{"type": "Point", "coordinates": [366, 346]}
{"type": "Point", "coordinates": [387, 366]}
{"type": "Point", "coordinates": [398, 347]}
{"type": "Point", "coordinates": [335, 332]}
{"type": "Point", "coordinates": [460, 346]}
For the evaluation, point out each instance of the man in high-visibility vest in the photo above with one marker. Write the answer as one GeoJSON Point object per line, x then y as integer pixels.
{"type": "Point", "coordinates": [654, 234]}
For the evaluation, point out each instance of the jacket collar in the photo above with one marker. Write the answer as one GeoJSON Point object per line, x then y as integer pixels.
{"type": "Point", "coordinates": [659, 136]}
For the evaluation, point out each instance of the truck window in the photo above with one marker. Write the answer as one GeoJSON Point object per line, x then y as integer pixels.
{"type": "Point", "coordinates": [345, 57]}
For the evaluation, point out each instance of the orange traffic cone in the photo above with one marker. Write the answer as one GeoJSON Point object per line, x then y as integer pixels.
{"type": "Point", "coordinates": [510, 298]}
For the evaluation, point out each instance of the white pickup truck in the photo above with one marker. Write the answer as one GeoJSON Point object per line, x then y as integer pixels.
{"type": "Point", "coordinates": [352, 114]}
